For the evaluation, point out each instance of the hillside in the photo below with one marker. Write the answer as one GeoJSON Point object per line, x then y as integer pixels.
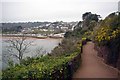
{"type": "Point", "coordinates": [18, 27]}
{"type": "Point", "coordinates": [105, 33]}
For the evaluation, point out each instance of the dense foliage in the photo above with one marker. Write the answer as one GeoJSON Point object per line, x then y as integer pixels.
{"type": "Point", "coordinates": [14, 29]}
{"type": "Point", "coordinates": [89, 22]}
{"type": "Point", "coordinates": [66, 47]}
{"type": "Point", "coordinates": [42, 68]}
{"type": "Point", "coordinates": [108, 35]}
{"type": "Point", "coordinates": [109, 29]}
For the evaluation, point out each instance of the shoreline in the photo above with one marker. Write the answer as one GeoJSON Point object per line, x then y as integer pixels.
{"type": "Point", "coordinates": [7, 37]}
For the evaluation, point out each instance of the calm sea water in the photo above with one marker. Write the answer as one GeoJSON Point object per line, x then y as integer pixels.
{"type": "Point", "coordinates": [46, 44]}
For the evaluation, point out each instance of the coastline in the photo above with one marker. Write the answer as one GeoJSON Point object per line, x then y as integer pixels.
{"type": "Point", "coordinates": [7, 37]}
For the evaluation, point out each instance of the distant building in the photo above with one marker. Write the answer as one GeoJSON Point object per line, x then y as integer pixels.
{"type": "Point", "coordinates": [43, 29]}
{"type": "Point", "coordinates": [26, 30]}
{"type": "Point", "coordinates": [59, 35]}
{"type": "Point", "coordinates": [64, 29]}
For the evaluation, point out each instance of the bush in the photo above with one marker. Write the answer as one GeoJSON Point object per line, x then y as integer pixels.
{"type": "Point", "coordinates": [66, 47]}
{"type": "Point", "coordinates": [44, 68]}
{"type": "Point", "coordinates": [108, 35]}
{"type": "Point", "coordinates": [109, 29]}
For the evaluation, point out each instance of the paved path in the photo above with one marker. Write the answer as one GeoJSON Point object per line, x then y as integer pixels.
{"type": "Point", "coordinates": [92, 66]}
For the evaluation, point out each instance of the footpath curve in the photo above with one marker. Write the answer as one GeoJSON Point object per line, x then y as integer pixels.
{"type": "Point", "coordinates": [92, 66]}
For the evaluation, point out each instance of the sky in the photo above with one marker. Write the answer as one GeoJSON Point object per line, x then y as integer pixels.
{"type": "Point", "coordinates": [53, 10]}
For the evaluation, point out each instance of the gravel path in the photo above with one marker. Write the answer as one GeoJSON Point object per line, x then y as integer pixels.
{"type": "Point", "coordinates": [92, 66]}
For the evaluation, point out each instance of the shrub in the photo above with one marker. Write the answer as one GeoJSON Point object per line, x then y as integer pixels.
{"type": "Point", "coordinates": [66, 47]}
{"type": "Point", "coordinates": [44, 68]}
{"type": "Point", "coordinates": [109, 29]}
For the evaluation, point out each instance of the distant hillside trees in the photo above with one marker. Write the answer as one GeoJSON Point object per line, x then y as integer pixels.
{"type": "Point", "coordinates": [14, 29]}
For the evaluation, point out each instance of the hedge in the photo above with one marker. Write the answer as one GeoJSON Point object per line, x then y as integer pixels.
{"type": "Point", "coordinates": [47, 67]}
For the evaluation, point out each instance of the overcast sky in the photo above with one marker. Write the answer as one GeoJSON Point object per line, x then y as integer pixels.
{"type": "Point", "coordinates": [54, 10]}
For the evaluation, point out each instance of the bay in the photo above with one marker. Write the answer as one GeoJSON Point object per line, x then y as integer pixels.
{"type": "Point", "coordinates": [47, 45]}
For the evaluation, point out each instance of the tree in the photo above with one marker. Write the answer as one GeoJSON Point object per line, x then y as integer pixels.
{"type": "Point", "coordinates": [18, 46]}
{"type": "Point", "coordinates": [89, 20]}
{"type": "Point", "coordinates": [85, 15]}
{"type": "Point", "coordinates": [68, 34]}
{"type": "Point", "coordinates": [90, 16]}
